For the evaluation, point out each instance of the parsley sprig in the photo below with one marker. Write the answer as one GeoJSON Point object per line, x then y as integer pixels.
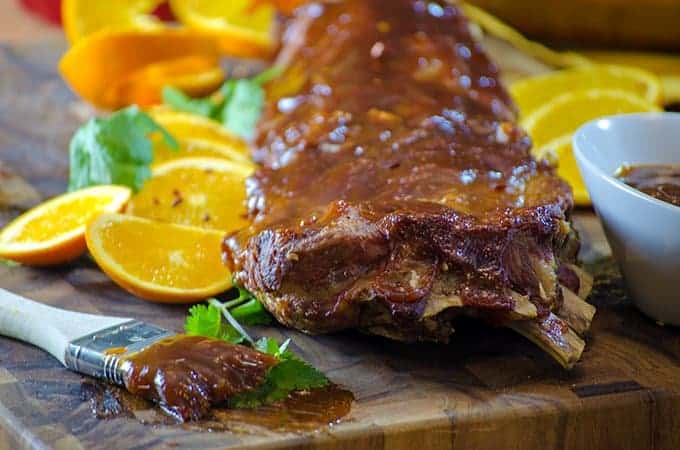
{"type": "Point", "coordinates": [290, 374]}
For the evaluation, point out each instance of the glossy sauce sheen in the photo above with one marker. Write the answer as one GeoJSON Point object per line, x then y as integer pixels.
{"type": "Point", "coordinates": [388, 118]}
{"type": "Point", "coordinates": [302, 411]}
{"type": "Point", "coordinates": [187, 375]}
{"type": "Point", "coordinates": [660, 181]}
{"type": "Point", "coordinates": [390, 160]}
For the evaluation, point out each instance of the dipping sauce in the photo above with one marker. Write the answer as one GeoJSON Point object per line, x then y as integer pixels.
{"type": "Point", "coordinates": [660, 181]}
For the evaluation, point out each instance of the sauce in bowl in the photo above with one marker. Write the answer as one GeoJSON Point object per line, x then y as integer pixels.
{"type": "Point", "coordinates": [660, 181]}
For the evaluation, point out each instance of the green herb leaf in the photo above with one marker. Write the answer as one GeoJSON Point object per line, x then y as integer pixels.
{"type": "Point", "coordinates": [9, 263]}
{"type": "Point", "coordinates": [252, 313]}
{"type": "Point", "coordinates": [268, 74]}
{"type": "Point", "coordinates": [290, 374]}
{"type": "Point", "coordinates": [272, 347]}
{"type": "Point", "coordinates": [114, 150]}
{"type": "Point", "coordinates": [206, 320]}
{"type": "Point", "coordinates": [287, 376]}
{"type": "Point", "coordinates": [237, 104]}
{"type": "Point", "coordinates": [242, 108]}
{"type": "Point", "coordinates": [179, 100]}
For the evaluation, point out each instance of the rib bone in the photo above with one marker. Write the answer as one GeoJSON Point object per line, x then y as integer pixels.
{"type": "Point", "coordinates": [554, 336]}
{"type": "Point", "coordinates": [576, 312]}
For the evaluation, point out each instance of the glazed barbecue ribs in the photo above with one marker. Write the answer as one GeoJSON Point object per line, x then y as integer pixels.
{"type": "Point", "coordinates": [395, 191]}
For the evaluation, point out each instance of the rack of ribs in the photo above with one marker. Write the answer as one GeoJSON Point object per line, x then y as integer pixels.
{"type": "Point", "coordinates": [395, 191]}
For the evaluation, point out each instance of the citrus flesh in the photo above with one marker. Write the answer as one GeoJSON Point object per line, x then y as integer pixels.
{"type": "Point", "coordinates": [192, 147]}
{"type": "Point", "coordinates": [532, 93]}
{"type": "Point", "coordinates": [565, 113]}
{"type": "Point", "coordinates": [202, 192]}
{"type": "Point", "coordinates": [53, 232]}
{"type": "Point", "coordinates": [243, 28]}
{"type": "Point", "coordinates": [81, 18]}
{"type": "Point", "coordinates": [159, 261]}
{"type": "Point", "coordinates": [183, 125]}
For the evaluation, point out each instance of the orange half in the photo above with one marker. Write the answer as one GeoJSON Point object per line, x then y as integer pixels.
{"type": "Point", "coordinates": [54, 232]}
{"type": "Point", "coordinates": [96, 67]}
{"type": "Point", "coordinates": [203, 192]}
{"type": "Point", "coordinates": [159, 261]}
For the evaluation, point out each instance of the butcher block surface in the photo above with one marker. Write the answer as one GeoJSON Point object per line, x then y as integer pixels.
{"type": "Point", "coordinates": [487, 389]}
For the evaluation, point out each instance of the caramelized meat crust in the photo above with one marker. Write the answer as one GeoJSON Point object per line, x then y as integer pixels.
{"type": "Point", "coordinates": [395, 190]}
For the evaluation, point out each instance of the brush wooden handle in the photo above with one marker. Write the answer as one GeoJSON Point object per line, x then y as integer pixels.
{"type": "Point", "coordinates": [46, 327]}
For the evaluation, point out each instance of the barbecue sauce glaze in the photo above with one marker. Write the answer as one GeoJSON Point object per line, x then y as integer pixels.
{"type": "Point", "coordinates": [187, 375]}
{"type": "Point", "coordinates": [389, 158]}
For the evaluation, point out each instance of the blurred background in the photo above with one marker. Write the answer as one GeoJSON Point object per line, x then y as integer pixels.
{"type": "Point", "coordinates": [28, 20]}
{"type": "Point", "coordinates": [620, 24]}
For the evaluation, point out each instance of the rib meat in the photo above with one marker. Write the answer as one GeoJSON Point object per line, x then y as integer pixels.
{"type": "Point", "coordinates": [395, 190]}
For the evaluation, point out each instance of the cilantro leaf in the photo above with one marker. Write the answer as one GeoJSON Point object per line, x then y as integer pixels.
{"type": "Point", "coordinates": [271, 347]}
{"type": "Point", "coordinates": [206, 320]}
{"type": "Point", "coordinates": [287, 376]}
{"type": "Point", "coordinates": [252, 313]}
{"type": "Point", "coordinates": [114, 150]}
{"type": "Point", "coordinates": [237, 104]}
{"type": "Point", "coordinates": [290, 374]}
{"type": "Point", "coordinates": [242, 108]}
{"type": "Point", "coordinates": [206, 107]}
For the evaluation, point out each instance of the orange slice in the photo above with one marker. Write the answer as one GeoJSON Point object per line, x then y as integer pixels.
{"type": "Point", "coordinates": [560, 152]}
{"type": "Point", "coordinates": [532, 93]}
{"type": "Point", "coordinates": [81, 18]}
{"type": "Point", "coordinates": [94, 67]}
{"type": "Point", "coordinates": [191, 148]}
{"type": "Point", "coordinates": [664, 65]}
{"type": "Point", "coordinates": [54, 232]}
{"type": "Point", "coordinates": [194, 75]}
{"type": "Point", "coordinates": [183, 125]}
{"type": "Point", "coordinates": [565, 113]}
{"type": "Point", "coordinates": [552, 125]}
{"type": "Point", "coordinates": [159, 261]}
{"type": "Point", "coordinates": [243, 29]}
{"type": "Point", "coordinates": [203, 192]}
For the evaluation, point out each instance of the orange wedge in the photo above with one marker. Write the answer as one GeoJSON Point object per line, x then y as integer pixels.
{"type": "Point", "coordinates": [192, 148]}
{"type": "Point", "coordinates": [562, 153]}
{"type": "Point", "coordinates": [552, 125]}
{"type": "Point", "coordinates": [96, 67]}
{"type": "Point", "coordinates": [158, 261]}
{"type": "Point", "coordinates": [203, 192]}
{"type": "Point", "coordinates": [664, 65]}
{"type": "Point", "coordinates": [81, 18]}
{"type": "Point", "coordinates": [564, 114]}
{"type": "Point", "coordinates": [194, 75]}
{"type": "Point", "coordinates": [54, 232]}
{"type": "Point", "coordinates": [183, 125]}
{"type": "Point", "coordinates": [285, 6]}
{"type": "Point", "coordinates": [532, 93]}
{"type": "Point", "coordinates": [243, 29]}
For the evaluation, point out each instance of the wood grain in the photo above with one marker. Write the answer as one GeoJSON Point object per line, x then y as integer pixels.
{"type": "Point", "coordinates": [488, 389]}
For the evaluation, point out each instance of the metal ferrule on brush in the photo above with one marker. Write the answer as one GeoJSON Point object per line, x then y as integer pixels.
{"type": "Point", "coordinates": [101, 354]}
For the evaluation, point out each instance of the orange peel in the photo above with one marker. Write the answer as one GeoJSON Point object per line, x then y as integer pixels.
{"type": "Point", "coordinates": [54, 232]}
{"type": "Point", "coordinates": [175, 264]}
{"type": "Point", "coordinates": [96, 67]}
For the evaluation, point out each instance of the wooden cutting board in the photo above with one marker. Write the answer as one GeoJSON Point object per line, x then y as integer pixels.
{"type": "Point", "coordinates": [488, 389]}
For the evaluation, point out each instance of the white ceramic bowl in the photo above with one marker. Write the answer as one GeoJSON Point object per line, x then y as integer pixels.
{"type": "Point", "coordinates": [644, 232]}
